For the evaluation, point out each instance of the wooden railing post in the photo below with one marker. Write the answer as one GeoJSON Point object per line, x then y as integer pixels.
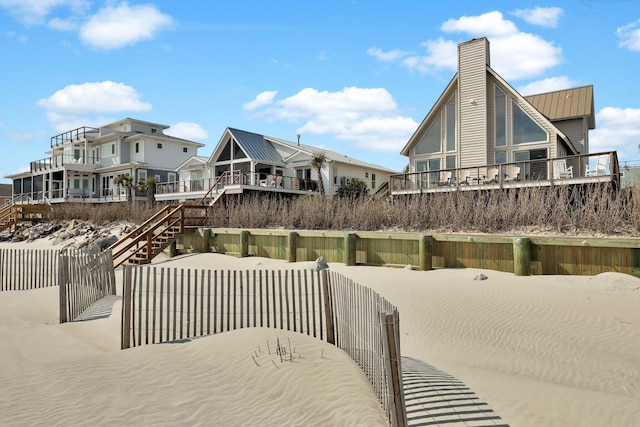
{"type": "Point", "coordinates": [426, 252]}
{"type": "Point", "coordinates": [350, 249]}
{"type": "Point", "coordinates": [126, 308]}
{"type": "Point", "coordinates": [521, 256]}
{"type": "Point", "coordinates": [328, 306]}
{"type": "Point", "coordinates": [292, 246]}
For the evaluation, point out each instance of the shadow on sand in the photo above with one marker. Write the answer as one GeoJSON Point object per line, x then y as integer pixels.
{"type": "Point", "coordinates": [100, 309]}
{"type": "Point", "coordinates": [435, 398]}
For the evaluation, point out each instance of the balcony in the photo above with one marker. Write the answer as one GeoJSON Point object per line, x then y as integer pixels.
{"type": "Point", "coordinates": [61, 161]}
{"type": "Point", "coordinates": [580, 169]}
{"type": "Point", "coordinates": [82, 133]}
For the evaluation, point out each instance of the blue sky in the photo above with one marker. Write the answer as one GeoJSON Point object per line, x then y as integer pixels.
{"type": "Point", "coordinates": [355, 77]}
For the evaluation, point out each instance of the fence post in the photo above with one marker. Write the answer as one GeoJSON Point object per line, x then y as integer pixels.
{"type": "Point", "coordinates": [350, 249]}
{"type": "Point", "coordinates": [63, 263]}
{"type": "Point", "coordinates": [244, 244]}
{"type": "Point", "coordinates": [391, 348]}
{"type": "Point", "coordinates": [292, 246]}
{"type": "Point", "coordinates": [112, 272]}
{"type": "Point", "coordinates": [521, 256]}
{"type": "Point", "coordinates": [328, 306]}
{"type": "Point", "coordinates": [426, 252]}
{"type": "Point", "coordinates": [205, 233]}
{"type": "Point", "coordinates": [126, 309]}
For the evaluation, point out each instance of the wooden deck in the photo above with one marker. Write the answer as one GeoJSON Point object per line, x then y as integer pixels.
{"type": "Point", "coordinates": [526, 174]}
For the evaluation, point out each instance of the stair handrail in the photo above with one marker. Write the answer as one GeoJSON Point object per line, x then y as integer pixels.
{"type": "Point", "coordinates": [138, 233]}
{"type": "Point", "coordinates": [215, 185]}
{"type": "Point", "coordinates": [149, 242]}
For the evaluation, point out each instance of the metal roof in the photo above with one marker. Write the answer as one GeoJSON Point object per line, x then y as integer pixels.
{"type": "Point", "coordinates": [566, 104]}
{"type": "Point", "coordinates": [256, 146]}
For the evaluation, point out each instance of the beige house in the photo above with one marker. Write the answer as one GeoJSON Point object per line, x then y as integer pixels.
{"type": "Point", "coordinates": [482, 131]}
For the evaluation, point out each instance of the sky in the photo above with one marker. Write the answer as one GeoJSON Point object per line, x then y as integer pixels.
{"type": "Point", "coordinates": [356, 77]}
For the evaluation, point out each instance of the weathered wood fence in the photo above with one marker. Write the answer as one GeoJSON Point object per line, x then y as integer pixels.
{"type": "Point", "coordinates": [167, 304]}
{"type": "Point", "coordinates": [84, 278]}
{"type": "Point", "coordinates": [519, 255]}
{"type": "Point", "coordinates": [24, 269]}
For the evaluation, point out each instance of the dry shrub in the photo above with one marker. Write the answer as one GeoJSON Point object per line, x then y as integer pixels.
{"type": "Point", "coordinates": [585, 210]}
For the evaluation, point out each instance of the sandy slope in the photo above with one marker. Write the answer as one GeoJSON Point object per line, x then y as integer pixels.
{"type": "Point", "coordinates": [540, 351]}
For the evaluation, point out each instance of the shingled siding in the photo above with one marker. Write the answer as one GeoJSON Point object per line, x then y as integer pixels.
{"type": "Point", "coordinates": [519, 255]}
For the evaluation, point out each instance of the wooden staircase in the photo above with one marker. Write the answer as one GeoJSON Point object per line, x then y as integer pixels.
{"type": "Point", "coordinates": [158, 232]}
{"type": "Point", "coordinates": [14, 214]}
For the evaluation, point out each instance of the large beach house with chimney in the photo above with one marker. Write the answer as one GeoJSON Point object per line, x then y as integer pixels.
{"type": "Point", "coordinates": [482, 134]}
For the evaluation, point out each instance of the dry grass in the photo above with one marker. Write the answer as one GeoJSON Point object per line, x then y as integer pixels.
{"type": "Point", "coordinates": [592, 210]}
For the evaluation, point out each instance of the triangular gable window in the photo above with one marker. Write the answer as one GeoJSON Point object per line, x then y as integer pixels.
{"type": "Point", "coordinates": [525, 129]}
{"type": "Point", "coordinates": [431, 141]}
{"type": "Point", "coordinates": [225, 155]}
{"type": "Point", "coordinates": [237, 152]}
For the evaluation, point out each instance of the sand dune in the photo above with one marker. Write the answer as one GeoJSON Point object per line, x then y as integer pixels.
{"type": "Point", "coordinates": [539, 351]}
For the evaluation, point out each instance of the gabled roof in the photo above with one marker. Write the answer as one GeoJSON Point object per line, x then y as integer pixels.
{"type": "Point", "coordinates": [192, 159]}
{"type": "Point", "coordinates": [566, 104]}
{"type": "Point", "coordinates": [262, 148]}
{"type": "Point", "coordinates": [256, 146]}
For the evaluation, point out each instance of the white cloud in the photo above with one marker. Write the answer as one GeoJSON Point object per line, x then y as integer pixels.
{"type": "Point", "coordinates": [542, 16]}
{"type": "Point", "coordinates": [515, 55]}
{"type": "Point", "coordinates": [547, 85]}
{"type": "Point", "coordinates": [630, 35]}
{"type": "Point", "coordinates": [263, 98]}
{"type": "Point", "coordinates": [59, 24]}
{"type": "Point", "coordinates": [490, 25]}
{"type": "Point", "coordinates": [367, 117]}
{"type": "Point", "coordinates": [76, 103]}
{"type": "Point", "coordinates": [391, 55]}
{"type": "Point", "coordinates": [188, 130]}
{"type": "Point", "coordinates": [33, 12]}
{"type": "Point", "coordinates": [617, 129]}
{"type": "Point", "coordinates": [441, 54]}
{"type": "Point", "coordinates": [114, 27]}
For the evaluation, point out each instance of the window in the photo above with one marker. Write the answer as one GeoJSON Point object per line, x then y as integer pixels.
{"type": "Point", "coordinates": [427, 166]}
{"type": "Point", "coordinates": [373, 181]}
{"type": "Point", "coordinates": [153, 130]}
{"type": "Point", "coordinates": [430, 142]}
{"type": "Point", "coordinates": [137, 147]}
{"type": "Point", "coordinates": [303, 173]}
{"type": "Point", "coordinates": [451, 124]}
{"type": "Point", "coordinates": [501, 157]}
{"type": "Point", "coordinates": [171, 177]}
{"type": "Point", "coordinates": [159, 145]}
{"type": "Point", "coordinates": [142, 176]}
{"type": "Point", "coordinates": [525, 129]}
{"type": "Point", "coordinates": [108, 149]}
{"type": "Point", "coordinates": [335, 175]}
{"type": "Point", "coordinates": [185, 150]}
{"type": "Point", "coordinates": [450, 163]}
{"type": "Point", "coordinates": [500, 117]}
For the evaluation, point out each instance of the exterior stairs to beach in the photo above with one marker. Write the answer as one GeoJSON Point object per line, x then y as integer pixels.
{"type": "Point", "coordinates": [15, 214]}
{"type": "Point", "coordinates": [157, 233]}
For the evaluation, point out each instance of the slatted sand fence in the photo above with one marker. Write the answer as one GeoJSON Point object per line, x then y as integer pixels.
{"type": "Point", "coordinates": [84, 278]}
{"type": "Point", "coordinates": [367, 329]}
{"type": "Point", "coordinates": [24, 269]}
{"type": "Point", "coordinates": [163, 304]}
{"type": "Point", "coordinates": [167, 304]}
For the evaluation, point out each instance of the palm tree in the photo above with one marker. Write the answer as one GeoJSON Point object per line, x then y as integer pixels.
{"type": "Point", "coordinates": [318, 160]}
{"type": "Point", "coordinates": [125, 180]}
{"type": "Point", "coordinates": [149, 188]}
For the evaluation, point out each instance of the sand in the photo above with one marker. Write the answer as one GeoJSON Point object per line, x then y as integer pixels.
{"type": "Point", "coordinates": [538, 351]}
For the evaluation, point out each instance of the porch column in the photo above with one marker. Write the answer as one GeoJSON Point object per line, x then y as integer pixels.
{"type": "Point", "coordinates": [65, 184]}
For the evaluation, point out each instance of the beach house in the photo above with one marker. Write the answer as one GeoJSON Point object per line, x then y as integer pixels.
{"type": "Point", "coordinates": [481, 133]}
{"type": "Point", "coordinates": [247, 162]}
{"type": "Point", "coordinates": [84, 163]}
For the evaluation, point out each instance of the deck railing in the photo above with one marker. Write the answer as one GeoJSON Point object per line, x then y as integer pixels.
{"type": "Point", "coordinates": [522, 173]}
{"type": "Point", "coordinates": [259, 180]}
